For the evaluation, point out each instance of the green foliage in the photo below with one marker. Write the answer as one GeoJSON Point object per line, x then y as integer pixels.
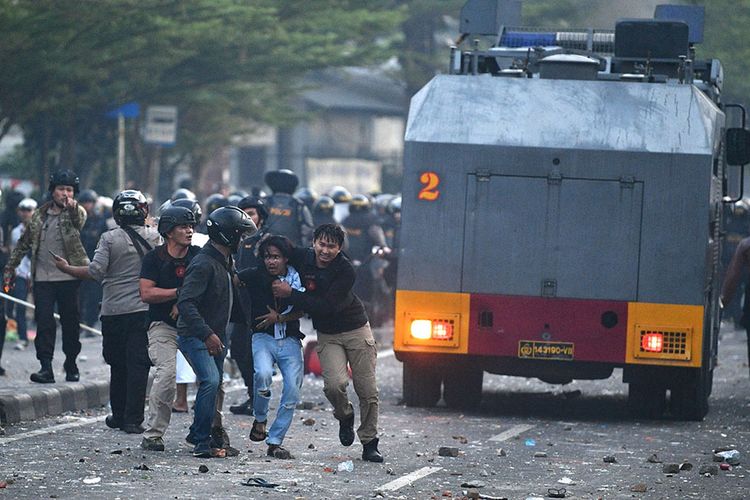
{"type": "Point", "coordinates": [225, 63]}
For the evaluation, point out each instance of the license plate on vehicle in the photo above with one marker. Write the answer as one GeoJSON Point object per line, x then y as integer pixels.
{"type": "Point", "coordinates": [532, 349]}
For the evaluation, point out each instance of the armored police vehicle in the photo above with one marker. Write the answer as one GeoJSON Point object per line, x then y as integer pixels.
{"type": "Point", "coordinates": [562, 211]}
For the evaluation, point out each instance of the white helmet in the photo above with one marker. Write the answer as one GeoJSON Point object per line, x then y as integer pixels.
{"type": "Point", "coordinates": [27, 204]}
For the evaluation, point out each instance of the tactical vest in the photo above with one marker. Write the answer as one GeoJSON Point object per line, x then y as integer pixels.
{"type": "Point", "coordinates": [359, 241]}
{"type": "Point", "coordinates": [285, 217]}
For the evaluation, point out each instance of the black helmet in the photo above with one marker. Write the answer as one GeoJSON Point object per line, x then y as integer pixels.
{"type": "Point", "coordinates": [191, 205]}
{"type": "Point", "coordinates": [306, 196]}
{"type": "Point", "coordinates": [324, 205]}
{"type": "Point", "coordinates": [360, 203]}
{"type": "Point", "coordinates": [340, 194]}
{"type": "Point", "coordinates": [214, 201]}
{"type": "Point", "coordinates": [130, 208]}
{"type": "Point", "coordinates": [183, 193]}
{"type": "Point", "coordinates": [227, 226]}
{"type": "Point", "coordinates": [394, 205]}
{"type": "Point", "coordinates": [64, 178]}
{"type": "Point", "coordinates": [254, 202]}
{"type": "Point", "coordinates": [233, 199]}
{"type": "Point", "coordinates": [88, 196]}
{"type": "Point", "coordinates": [281, 181]}
{"type": "Point", "coordinates": [174, 216]}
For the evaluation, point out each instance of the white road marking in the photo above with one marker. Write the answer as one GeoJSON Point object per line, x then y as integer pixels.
{"type": "Point", "coordinates": [512, 432]}
{"type": "Point", "coordinates": [51, 430]}
{"type": "Point", "coordinates": [408, 479]}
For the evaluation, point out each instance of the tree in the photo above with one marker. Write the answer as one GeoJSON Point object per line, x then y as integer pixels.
{"type": "Point", "coordinates": [225, 63]}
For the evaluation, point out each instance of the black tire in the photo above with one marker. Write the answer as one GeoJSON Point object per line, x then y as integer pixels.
{"type": "Point", "coordinates": [463, 387]}
{"type": "Point", "coordinates": [689, 401]}
{"type": "Point", "coordinates": [421, 384]}
{"type": "Point", "coordinates": [646, 400]}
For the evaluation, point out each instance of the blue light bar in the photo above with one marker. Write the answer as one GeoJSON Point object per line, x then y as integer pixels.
{"type": "Point", "coordinates": [527, 39]}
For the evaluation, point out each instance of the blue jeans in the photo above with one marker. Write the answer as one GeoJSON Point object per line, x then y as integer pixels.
{"type": "Point", "coordinates": [21, 291]}
{"type": "Point", "coordinates": [287, 353]}
{"type": "Point", "coordinates": [208, 371]}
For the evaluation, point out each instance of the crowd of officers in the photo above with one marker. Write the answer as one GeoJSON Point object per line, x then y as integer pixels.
{"type": "Point", "coordinates": [186, 289]}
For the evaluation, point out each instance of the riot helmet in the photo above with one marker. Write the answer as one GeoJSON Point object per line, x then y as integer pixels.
{"type": "Point", "coordinates": [394, 206]}
{"type": "Point", "coordinates": [381, 202]}
{"type": "Point", "coordinates": [183, 193]}
{"type": "Point", "coordinates": [214, 202]}
{"type": "Point", "coordinates": [233, 199]}
{"type": "Point", "coordinates": [324, 205]}
{"type": "Point", "coordinates": [281, 181]}
{"type": "Point", "coordinates": [227, 226]}
{"type": "Point", "coordinates": [306, 196]}
{"type": "Point", "coordinates": [64, 178]}
{"type": "Point", "coordinates": [256, 203]}
{"type": "Point", "coordinates": [359, 203]}
{"type": "Point", "coordinates": [191, 205]}
{"type": "Point", "coordinates": [174, 216]}
{"type": "Point", "coordinates": [130, 208]}
{"type": "Point", "coordinates": [339, 194]}
{"type": "Point", "coordinates": [87, 196]}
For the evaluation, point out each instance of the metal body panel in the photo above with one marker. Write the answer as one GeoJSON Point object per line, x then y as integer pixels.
{"type": "Point", "coordinates": [580, 237]}
{"type": "Point", "coordinates": [634, 157]}
{"type": "Point", "coordinates": [578, 322]}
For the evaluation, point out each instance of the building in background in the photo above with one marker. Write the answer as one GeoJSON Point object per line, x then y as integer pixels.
{"type": "Point", "coordinates": [353, 138]}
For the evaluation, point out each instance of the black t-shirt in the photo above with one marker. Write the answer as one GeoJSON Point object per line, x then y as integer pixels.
{"type": "Point", "coordinates": [167, 272]}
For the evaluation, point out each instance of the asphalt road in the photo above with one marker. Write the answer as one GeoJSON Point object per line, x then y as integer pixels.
{"type": "Point", "coordinates": [528, 437]}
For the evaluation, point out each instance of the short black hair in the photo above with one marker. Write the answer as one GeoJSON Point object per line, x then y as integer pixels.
{"type": "Point", "coordinates": [281, 242]}
{"type": "Point", "coordinates": [330, 232]}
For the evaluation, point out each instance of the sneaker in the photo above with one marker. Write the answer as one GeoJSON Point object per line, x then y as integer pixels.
{"type": "Point", "coordinates": [189, 439]}
{"type": "Point", "coordinates": [153, 444]}
{"type": "Point", "coordinates": [245, 408]}
{"type": "Point", "coordinates": [278, 451]}
{"type": "Point", "coordinates": [21, 345]}
{"type": "Point", "coordinates": [202, 450]}
{"type": "Point", "coordinates": [346, 430]}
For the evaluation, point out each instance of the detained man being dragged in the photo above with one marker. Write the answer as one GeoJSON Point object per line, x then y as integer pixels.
{"type": "Point", "coordinates": [276, 339]}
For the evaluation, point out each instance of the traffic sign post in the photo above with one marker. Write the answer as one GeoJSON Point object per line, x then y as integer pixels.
{"type": "Point", "coordinates": [161, 125]}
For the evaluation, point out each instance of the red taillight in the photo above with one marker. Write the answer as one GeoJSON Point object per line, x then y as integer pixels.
{"type": "Point", "coordinates": [652, 342]}
{"type": "Point", "coordinates": [442, 330]}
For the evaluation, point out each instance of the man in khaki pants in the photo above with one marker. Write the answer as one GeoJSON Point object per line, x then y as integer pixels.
{"type": "Point", "coordinates": [344, 334]}
{"type": "Point", "coordinates": [162, 273]}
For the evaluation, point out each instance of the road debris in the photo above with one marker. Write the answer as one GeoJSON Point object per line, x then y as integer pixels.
{"type": "Point", "coordinates": [461, 439]}
{"type": "Point", "coordinates": [670, 468]}
{"type": "Point", "coordinates": [308, 421]}
{"type": "Point", "coordinates": [654, 459]}
{"type": "Point", "coordinates": [732, 456]}
{"type": "Point", "coordinates": [448, 451]}
{"type": "Point", "coordinates": [540, 454]}
{"type": "Point", "coordinates": [566, 480]}
{"type": "Point", "coordinates": [203, 469]}
{"type": "Point", "coordinates": [610, 459]}
{"type": "Point", "coordinates": [347, 466]}
{"type": "Point", "coordinates": [686, 466]}
{"type": "Point", "coordinates": [92, 480]}
{"type": "Point", "coordinates": [639, 488]}
{"type": "Point", "coordinates": [474, 483]}
{"type": "Point", "coordinates": [708, 470]}
{"type": "Point", "coordinates": [259, 482]}
{"type": "Point", "coordinates": [141, 467]}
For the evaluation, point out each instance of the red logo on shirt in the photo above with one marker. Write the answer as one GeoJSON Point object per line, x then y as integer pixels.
{"type": "Point", "coordinates": [310, 285]}
{"type": "Point", "coordinates": [179, 271]}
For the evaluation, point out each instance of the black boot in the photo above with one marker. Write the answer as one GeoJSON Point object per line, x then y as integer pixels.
{"type": "Point", "coordinates": [346, 430]}
{"type": "Point", "coordinates": [71, 372]}
{"type": "Point", "coordinates": [370, 451]}
{"type": "Point", "coordinates": [245, 408]}
{"type": "Point", "coordinates": [45, 375]}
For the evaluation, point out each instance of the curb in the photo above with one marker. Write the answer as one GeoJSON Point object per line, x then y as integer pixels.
{"type": "Point", "coordinates": [41, 402]}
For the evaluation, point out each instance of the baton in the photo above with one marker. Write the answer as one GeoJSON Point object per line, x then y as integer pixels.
{"type": "Point", "coordinates": [32, 306]}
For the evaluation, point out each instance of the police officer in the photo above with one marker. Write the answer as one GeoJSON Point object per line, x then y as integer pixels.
{"type": "Point", "coordinates": [287, 216]}
{"type": "Point", "coordinates": [54, 229]}
{"type": "Point", "coordinates": [341, 197]}
{"type": "Point", "coordinates": [117, 265]}
{"type": "Point", "coordinates": [205, 303]}
{"type": "Point", "coordinates": [322, 211]}
{"type": "Point", "coordinates": [241, 332]}
{"type": "Point", "coordinates": [162, 272]}
{"type": "Point", "coordinates": [95, 226]}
